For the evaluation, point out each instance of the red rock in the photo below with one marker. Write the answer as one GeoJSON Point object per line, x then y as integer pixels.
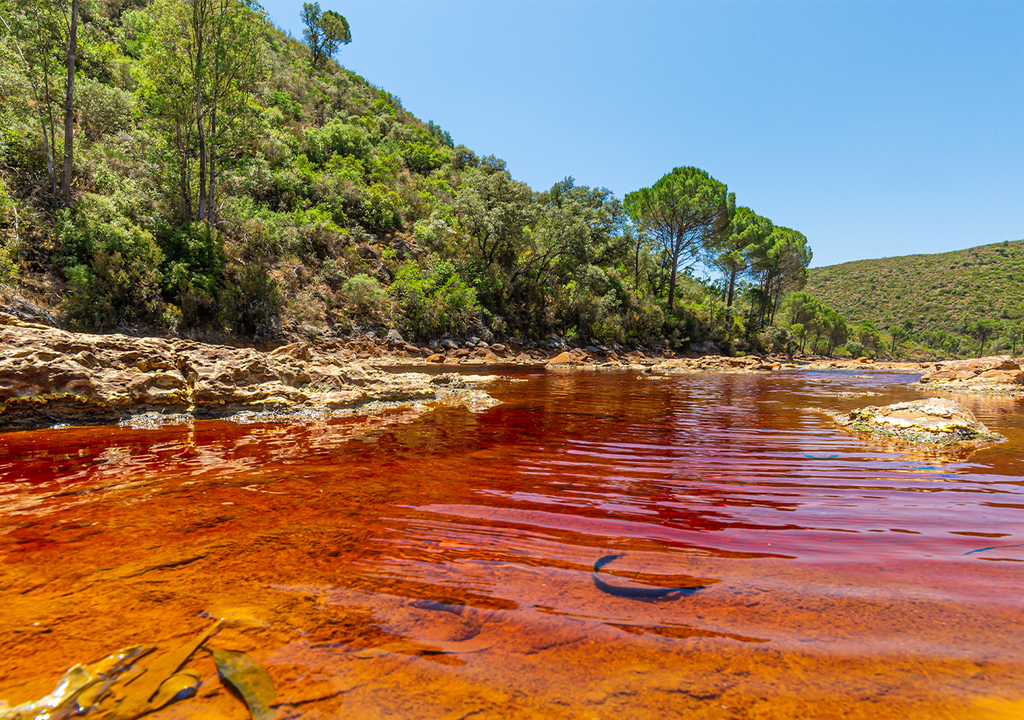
{"type": "Point", "coordinates": [436, 358]}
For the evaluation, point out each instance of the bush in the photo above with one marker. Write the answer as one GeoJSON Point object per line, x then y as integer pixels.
{"type": "Point", "coordinates": [433, 299]}
{"type": "Point", "coordinates": [254, 299]}
{"type": "Point", "coordinates": [778, 340]}
{"type": "Point", "coordinates": [102, 109]}
{"type": "Point", "coordinates": [365, 297]}
{"type": "Point", "coordinates": [111, 264]}
{"type": "Point", "coordinates": [855, 348]}
{"type": "Point", "coordinates": [192, 272]}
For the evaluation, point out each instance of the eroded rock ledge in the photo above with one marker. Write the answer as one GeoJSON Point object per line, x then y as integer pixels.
{"type": "Point", "coordinates": [1000, 374]}
{"type": "Point", "coordinates": [50, 376]}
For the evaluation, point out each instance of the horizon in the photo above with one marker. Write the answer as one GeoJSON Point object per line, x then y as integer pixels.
{"type": "Point", "coordinates": [876, 129]}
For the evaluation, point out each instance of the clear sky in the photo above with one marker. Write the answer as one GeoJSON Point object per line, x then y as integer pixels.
{"type": "Point", "coordinates": [875, 128]}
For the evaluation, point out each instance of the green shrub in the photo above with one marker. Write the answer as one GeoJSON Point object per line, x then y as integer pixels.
{"type": "Point", "coordinates": [254, 299]}
{"type": "Point", "coordinates": [102, 109]}
{"type": "Point", "coordinates": [365, 297]}
{"type": "Point", "coordinates": [779, 340]}
{"type": "Point", "coordinates": [433, 299]}
{"type": "Point", "coordinates": [192, 272]}
{"type": "Point", "coordinates": [111, 264]}
{"type": "Point", "coordinates": [380, 208]}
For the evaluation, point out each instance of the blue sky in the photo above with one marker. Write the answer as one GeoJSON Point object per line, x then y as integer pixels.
{"type": "Point", "coordinates": [876, 129]}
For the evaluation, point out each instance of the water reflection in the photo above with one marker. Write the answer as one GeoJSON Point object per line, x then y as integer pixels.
{"type": "Point", "coordinates": [442, 562]}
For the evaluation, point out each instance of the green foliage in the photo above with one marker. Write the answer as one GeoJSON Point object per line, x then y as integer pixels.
{"type": "Point", "coordinates": [111, 265]}
{"type": "Point", "coordinates": [325, 32]}
{"type": "Point", "coordinates": [193, 266]}
{"type": "Point", "coordinates": [254, 299]}
{"type": "Point", "coordinates": [433, 299]}
{"type": "Point", "coordinates": [365, 296]}
{"type": "Point", "coordinates": [942, 294]}
{"type": "Point", "coordinates": [103, 109]}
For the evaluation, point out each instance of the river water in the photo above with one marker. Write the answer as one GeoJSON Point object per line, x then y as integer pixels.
{"type": "Point", "coordinates": [440, 563]}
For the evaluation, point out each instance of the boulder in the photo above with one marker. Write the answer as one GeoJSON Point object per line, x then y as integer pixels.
{"type": "Point", "coordinates": [932, 421]}
{"type": "Point", "coordinates": [563, 358]}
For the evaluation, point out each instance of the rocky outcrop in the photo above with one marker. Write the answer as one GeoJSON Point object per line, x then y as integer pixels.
{"type": "Point", "coordinates": [50, 376]}
{"type": "Point", "coordinates": [933, 421]}
{"type": "Point", "coordinates": [988, 374]}
{"type": "Point", "coordinates": [714, 363]}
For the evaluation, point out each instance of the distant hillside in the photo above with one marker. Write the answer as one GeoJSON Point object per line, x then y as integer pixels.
{"type": "Point", "coordinates": [942, 292]}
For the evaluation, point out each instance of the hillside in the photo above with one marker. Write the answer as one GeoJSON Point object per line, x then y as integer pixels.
{"type": "Point", "coordinates": [941, 293]}
{"type": "Point", "coordinates": [263, 191]}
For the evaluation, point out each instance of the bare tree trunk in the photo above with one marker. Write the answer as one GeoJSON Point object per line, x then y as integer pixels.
{"type": "Point", "coordinates": [210, 214]}
{"type": "Point", "coordinates": [202, 135]}
{"type": "Point", "coordinates": [69, 108]}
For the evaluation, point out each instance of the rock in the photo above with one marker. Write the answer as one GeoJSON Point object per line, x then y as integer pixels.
{"type": "Point", "coordinates": [299, 351]}
{"type": "Point", "coordinates": [978, 375]}
{"type": "Point", "coordinates": [395, 338]}
{"type": "Point", "coordinates": [933, 421]}
{"type": "Point", "coordinates": [436, 358]}
{"type": "Point", "coordinates": [592, 349]}
{"type": "Point", "coordinates": [563, 358]}
{"type": "Point", "coordinates": [498, 348]}
{"type": "Point", "coordinates": [49, 376]}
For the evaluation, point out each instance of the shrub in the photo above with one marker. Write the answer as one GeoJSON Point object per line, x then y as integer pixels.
{"type": "Point", "coordinates": [102, 109]}
{"type": "Point", "coordinates": [254, 299]}
{"type": "Point", "coordinates": [433, 298]}
{"type": "Point", "coordinates": [778, 340]}
{"type": "Point", "coordinates": [111, 264]}
{"type": "Point", "coordinates": [365, 297]}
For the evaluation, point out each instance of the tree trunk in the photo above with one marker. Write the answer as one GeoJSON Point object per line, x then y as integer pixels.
{"type": "Point", "coordinates": [732, 286]}
{"type": "Point", "coordinates": [69, 109]}
{"type": "Point", "coordinates": [210, 216]}
{"type": "Point", "coordinates": [202, 135]}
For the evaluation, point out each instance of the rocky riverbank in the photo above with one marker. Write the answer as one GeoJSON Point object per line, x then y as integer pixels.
{"type": "Point", "coordinates": [49, 376]}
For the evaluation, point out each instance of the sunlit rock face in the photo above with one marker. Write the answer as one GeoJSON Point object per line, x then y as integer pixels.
{"type": "Point", "coordinates": [979, 373]}
{"type": "Point", "coordinates": [933, 421]}
{"type": "Point", "coordinates": [53, 376]}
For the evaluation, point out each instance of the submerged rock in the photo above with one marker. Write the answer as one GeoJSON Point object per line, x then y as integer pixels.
{"type": "Point", "coordinates": [933, 421]}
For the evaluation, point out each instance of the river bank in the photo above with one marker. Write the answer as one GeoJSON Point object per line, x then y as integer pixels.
{"type": "Point", "coordinates": [50, 376]}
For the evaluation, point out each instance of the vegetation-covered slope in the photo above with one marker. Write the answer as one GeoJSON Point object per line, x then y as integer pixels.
{"type": "Point", "coordinates": [940, 297]}
{"type": "Point", "coordinates": [182, 165]}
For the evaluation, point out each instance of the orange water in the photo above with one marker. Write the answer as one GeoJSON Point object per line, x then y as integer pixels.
{"type": "Point", "coordinates": [436, 564]}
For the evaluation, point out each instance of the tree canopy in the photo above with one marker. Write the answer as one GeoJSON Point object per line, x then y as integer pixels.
{"type": "Point", "coordinates": [326, 31]}
{"type": "Point", "coordinates": [682, 210]}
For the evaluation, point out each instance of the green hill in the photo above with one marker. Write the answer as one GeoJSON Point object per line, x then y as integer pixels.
{"type": "Point", "coordinates": [939, 294]}
{"type": "Point", "coordinates": [182, 166]}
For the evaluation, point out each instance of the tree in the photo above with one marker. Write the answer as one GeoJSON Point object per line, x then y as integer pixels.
{"type": "Point", "coordinates": [779, 262]}
{"type": "Point", "coordinates": [898, 333]}
{"type": "Point", "coordinates": [203, 66]}
{"type": "Point", "coordinates": [325, 32]}
{"type": "Point", "coordinates": [69, 106]}
{"type": "Point", "coordinates": [682, 211]}
{"type": "Point", "coordinates": [982, 330]}
{"type": "Point", "coordinates": [44, 28]}
{"type": "Point", "coordinates": [745, 229]}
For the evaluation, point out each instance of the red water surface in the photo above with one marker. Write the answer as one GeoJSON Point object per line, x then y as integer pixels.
{"type": "Point", "coordinates": [438, 563]}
